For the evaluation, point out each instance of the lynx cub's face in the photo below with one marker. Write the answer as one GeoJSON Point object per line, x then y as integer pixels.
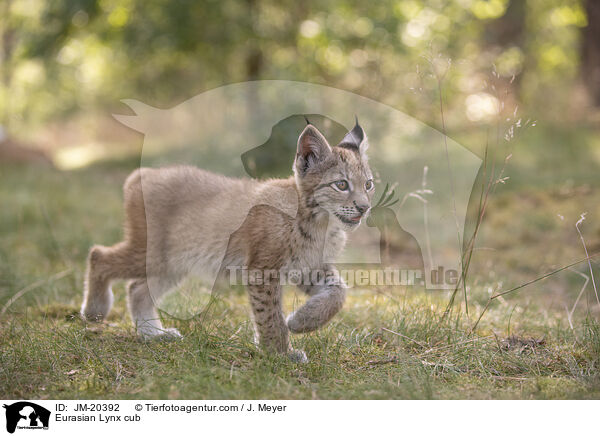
{"type": "Point", "coordinates": [335, 180]}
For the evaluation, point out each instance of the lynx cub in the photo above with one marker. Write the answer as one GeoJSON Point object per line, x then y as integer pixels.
{"type": "Point", "coordinates": [183, 221]}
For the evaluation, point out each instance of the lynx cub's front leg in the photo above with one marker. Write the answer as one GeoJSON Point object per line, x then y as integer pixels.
{"type": "Point", "coordinates": [271, 329]}
{"type": "Point", "coordinates": [325, 301]}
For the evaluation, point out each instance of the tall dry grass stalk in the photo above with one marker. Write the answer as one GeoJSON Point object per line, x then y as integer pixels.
{"type": "Point", "coordinates": [439, 71]}
{"type": "Point", "coordinates": [577, 224]}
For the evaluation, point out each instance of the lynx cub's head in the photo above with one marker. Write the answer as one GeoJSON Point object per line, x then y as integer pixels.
{"type": "Point", "coordinates": [335, 180]}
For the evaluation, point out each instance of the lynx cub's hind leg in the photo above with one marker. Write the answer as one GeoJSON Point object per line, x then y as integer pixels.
{"type": "Point", "coordinates": [106, 264]}
{"type": "Point", "coordinates": [143, 313]}
{"type": "Point", "coordinates": [97, 294]}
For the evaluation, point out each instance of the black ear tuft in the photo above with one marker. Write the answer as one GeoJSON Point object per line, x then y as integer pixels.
{"type": "Point", "coordinates": [307, 122]}
{"type": "Point", "coordinates": [353, 138]}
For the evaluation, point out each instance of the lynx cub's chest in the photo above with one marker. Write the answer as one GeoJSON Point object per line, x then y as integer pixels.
{"type": "Point", "coordinates": [322, 249]}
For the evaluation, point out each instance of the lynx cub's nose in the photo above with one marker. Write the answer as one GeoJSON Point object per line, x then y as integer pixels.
{"type": "Point", "coordinates": [361, 208]}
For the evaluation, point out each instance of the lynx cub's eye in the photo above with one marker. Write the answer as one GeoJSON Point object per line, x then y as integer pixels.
{"type": "Point", "coordinates": [341, 185]}
{"type": "Point", "coordinates": [369, 185]}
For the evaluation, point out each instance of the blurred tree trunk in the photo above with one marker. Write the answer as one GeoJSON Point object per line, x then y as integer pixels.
{"type": "Point", "coordinates": [254, 57]}
{"type": "Point", "coordinates": [7, 41]}
{"type": "Point", "coordinates": [508, 31]}
{"type": "Point", "coordinates": [254, 61]}
{"type": "Point", "coordinates": [590, 51]}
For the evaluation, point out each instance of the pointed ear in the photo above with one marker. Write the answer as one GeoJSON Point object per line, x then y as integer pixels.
{"type": "Point", "coordinates": [356, 139]}
{"type": "Point", "coordinates": [312, 147]}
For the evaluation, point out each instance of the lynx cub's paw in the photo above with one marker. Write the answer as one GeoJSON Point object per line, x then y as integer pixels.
{"type": "Point", "coordinates": [96, 308]}
{"type": "Point", "coordinates": [298, 356]}
{"type": "Point", "coordinates": [298, 324]}
{"type": "Point", "coordinates": [169, 334]}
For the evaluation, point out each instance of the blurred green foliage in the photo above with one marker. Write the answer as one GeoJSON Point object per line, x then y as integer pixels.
{"type": "Point", "coordinates": [64, 56]}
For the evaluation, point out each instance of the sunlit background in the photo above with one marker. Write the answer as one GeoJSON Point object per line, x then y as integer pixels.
{"type": "Point", "coordinates": [66, 64]}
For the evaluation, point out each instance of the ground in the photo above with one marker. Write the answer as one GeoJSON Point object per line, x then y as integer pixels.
{"type": "Point", "coordinates": [385, 344]}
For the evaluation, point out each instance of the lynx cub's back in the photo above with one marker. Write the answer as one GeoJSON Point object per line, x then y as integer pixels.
{"type": "Point", "coordinates": [183, 220]}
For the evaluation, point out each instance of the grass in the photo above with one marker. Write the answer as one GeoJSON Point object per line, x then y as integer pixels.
{"type": "Point", "coordinates": [385, 344]}
{"type": "Point", "coordinates": [49, 353]}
